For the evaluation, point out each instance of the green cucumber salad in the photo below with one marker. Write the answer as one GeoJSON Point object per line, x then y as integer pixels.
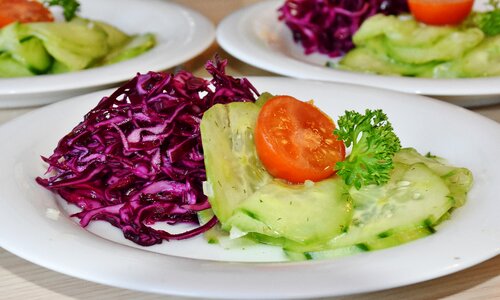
{"type": "Point", "coordinates": [331, 217]}
{"type": "Point", "coordinates": [390, 45]}
{"type": "Point", "coordinates": [403, 46]}
{"type": "Point", "coordinates": [39, 48]}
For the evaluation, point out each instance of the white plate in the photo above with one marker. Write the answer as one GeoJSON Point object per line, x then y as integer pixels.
{"type": "Point", "coordinates": [181, 34]}
{"type": "Point", "coordinates": [255, 36]}
{"type": "Point", "coordinates": [195, 268]}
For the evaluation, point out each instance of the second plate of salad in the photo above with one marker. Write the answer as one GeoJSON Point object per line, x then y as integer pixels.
{"type": "Point", "coordinates": [262, 35]}
{"type": "Point", "coordinates": [106, 42]}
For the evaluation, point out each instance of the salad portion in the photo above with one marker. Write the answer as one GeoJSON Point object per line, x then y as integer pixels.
{"type": "Point", "coordinates": [32, 43]}
{"type": "Point", "coordinates": [439, 39]}
{"type": "Point", "coordinates": [136, 159]}
{"type": "Point", "coordinates": [392, 46]}
{"type": "Point", "coordinates": [382, 195]}
{"type": "Point", "coordinates": [246, 168]}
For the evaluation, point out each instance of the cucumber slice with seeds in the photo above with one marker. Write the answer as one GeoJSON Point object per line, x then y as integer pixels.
{"type": "Point", "coordinates": [422, 192]}
{"type": "Point", "coordinates": [246, 199]}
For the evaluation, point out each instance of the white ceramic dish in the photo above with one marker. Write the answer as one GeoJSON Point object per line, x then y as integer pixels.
{"type": "Point", "coordinates": [195, 268]}
{"type": "Point", "coordinates": [254, 35]}
{"type": "Point", "coordinates": [181, 34]}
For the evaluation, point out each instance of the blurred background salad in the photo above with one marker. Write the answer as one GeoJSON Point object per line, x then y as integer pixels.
{"type": "Point", "coordinates": [417, 38]}
{"type": "Point", "coordinates": [35, 41]}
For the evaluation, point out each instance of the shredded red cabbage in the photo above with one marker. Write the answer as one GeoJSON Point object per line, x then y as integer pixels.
{"type": "Point", "coordinates": [327, 26]}
{"type": "Point", "coordinates": [137, 159]}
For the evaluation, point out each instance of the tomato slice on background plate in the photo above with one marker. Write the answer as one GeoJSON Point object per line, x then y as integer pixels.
{"type": "Point", "coordinates": [24, 11]}
{"type": "Point", "coordinates": [440, 12]}
{"type": "Point", "coordinates": [295, 140]}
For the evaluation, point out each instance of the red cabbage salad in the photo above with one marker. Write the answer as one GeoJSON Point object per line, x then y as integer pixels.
{"type": "Point", "coordinates": [327, 26]}
{"type": "Point", "coordinates": [137, 159]}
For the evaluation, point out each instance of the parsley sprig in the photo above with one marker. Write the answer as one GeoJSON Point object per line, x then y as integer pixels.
{"type": "Point", "coordinates": [70, 7]}
{"type": "Point", "coordinates": [489, 21]}
{"type": "Point", "coordinates": [374, 144]}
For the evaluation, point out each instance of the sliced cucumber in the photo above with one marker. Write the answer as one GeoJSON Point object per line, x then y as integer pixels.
{"type": "Point", "coordinates": [297, 213]}
{"type": "Point", "coordinates": [33, 54]}
{"type": "Point", "coordinates": [234, 171]}
{"type": "Point", "coordinates": [26, 50]}
{"type": "Point", "coordinates": [213, 234]}
{"type": "Point", "coordinates": [450, 47]}
{"type": "Point", "coordinates": [10, 67]}
{"type": "Point", "coordinates": [247, 199]}
{"type": "Point", "coordinates": [9, 38]}
{"type": "Point", "coordinates": [114, 36]}
{"type": "Point", "coordinates": [413, 199]}
{"type": "Point", "coordinates": [135, 46]}
{"type": "Point", "coordinates": [421, 193]}
{"type": "Point", "coordinates": [263, 98]}
{"type": "Point", "coordinates": [458, 180]}
{"type": "Point", "coordinates": [373, 58]}
{"type": "Point", "coordinates": [484, 60]}
{"type": "Point", "coordinates": [385, 240]}
{"type": "Point", "coordinates": [398, 236]}
{"type": "Point", "coordinates": [403, 32]}
{"type": "Point", "coordinates": [75, 45]}
{"type": "Point", "coordinates": [58, 68]}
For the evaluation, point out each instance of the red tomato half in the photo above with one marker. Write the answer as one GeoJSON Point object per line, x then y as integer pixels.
{"type": "Point", "coordinates": [440, 12]}
{"type": "Point", "coordinates": [295, 140]}
{"type": "Point", "coordinates": [24, 11]}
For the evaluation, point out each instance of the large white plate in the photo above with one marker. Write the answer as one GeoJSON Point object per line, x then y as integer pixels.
{"type": "Point", "coordinates": [254, 35]}
{"type": "Point", "coordinates": [181, 35]}
{"type": "Point", "coordinates": [195, 268]}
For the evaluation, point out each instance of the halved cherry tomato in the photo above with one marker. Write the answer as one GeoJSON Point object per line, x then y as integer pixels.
{"type": "Point", "coordinates": [24, 11]}
{"type": "Point", "coordinates": [295, 140]}
{"type": "Point", "coordinates": [440, 12]}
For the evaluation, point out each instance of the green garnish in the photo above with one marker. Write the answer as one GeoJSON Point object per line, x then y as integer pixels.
{"type": "Point", "coordinates": [374, 144]}
{"type": "Point", "coordinates": [430, 155]}
{"type": "Point", "coordinates": [489, 21]}
{"type": "Point", "coordinates": [70, 7]}
{"type": "Point", "coordinates": [495, 4]}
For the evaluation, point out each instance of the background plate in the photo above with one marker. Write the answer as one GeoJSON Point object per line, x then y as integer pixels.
{"type": "Point", "coordinates": [194, 268]}
{"type": "Point", "coordinates": [255, 36]}
{"type": "Point", "coordinates": [181, 34]}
